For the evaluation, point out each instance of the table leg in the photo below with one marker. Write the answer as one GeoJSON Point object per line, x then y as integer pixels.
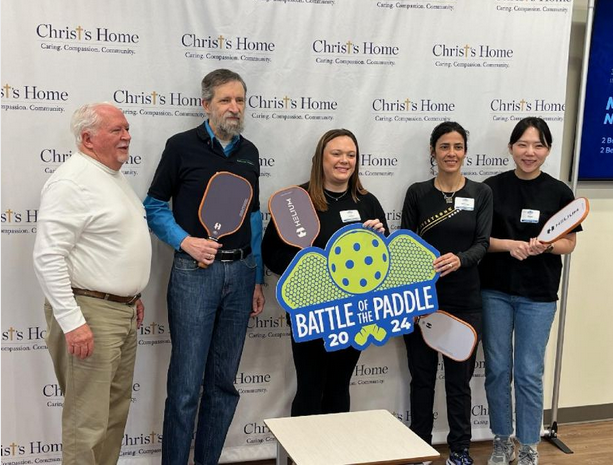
{"type": "Point", "coordinates": [281, 454]}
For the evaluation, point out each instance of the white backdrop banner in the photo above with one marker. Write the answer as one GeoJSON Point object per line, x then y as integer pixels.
{"type": "Point", "coordinates": [387, 70]}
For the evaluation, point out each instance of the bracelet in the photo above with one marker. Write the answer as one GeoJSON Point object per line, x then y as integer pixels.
{"type": "Point", "coordinates": [549, 249]}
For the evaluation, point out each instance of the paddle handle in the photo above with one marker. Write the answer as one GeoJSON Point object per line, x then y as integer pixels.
{"type": "Point", "coordinates": [202, 265]}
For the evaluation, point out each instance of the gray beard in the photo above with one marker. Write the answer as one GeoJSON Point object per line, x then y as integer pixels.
{"type": "Point", "coordinates": [227, 132]}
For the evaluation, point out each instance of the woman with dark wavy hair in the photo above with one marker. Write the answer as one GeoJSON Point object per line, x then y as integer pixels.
{"type": "Point", "coordinates": [453, 214]}
{"type": "Point", "coordinates": [339, 199]}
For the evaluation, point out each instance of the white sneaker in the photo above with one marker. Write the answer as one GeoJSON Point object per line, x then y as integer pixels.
{"type": "Point", "coordinates": [528, 455]}
{"type": "Point", "coordinates": [504, 451]}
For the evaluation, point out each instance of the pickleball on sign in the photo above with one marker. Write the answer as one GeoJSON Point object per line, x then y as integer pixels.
{"type": "Point", "coordinates": [362, 289]}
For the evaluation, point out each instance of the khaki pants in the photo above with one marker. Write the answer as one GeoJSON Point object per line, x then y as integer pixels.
{"type": "Point", "coordinates": [97, 390]}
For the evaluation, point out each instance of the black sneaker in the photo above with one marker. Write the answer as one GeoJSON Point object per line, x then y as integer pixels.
{"type": "Point", "coordinates": [459, 457]}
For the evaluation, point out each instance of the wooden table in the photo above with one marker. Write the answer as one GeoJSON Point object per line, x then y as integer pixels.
{"type": "Point", "coordinates": [361, 437]}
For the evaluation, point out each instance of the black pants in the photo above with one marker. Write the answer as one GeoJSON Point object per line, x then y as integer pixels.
{"type": "Point", "coordinates": [323, 378]}
{"type": "Point", "coordinates": [423, 365]}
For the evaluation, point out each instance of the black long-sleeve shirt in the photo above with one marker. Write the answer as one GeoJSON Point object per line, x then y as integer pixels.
{"type": "Point", "coordinates": [465, 233]}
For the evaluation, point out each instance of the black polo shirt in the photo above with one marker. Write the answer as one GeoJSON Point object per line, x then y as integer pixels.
{"type": "Point", "coordinates": [188, 162]}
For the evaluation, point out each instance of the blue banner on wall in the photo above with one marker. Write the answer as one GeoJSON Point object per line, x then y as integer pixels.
{"type": "Point", "coordinates": [596, 161]}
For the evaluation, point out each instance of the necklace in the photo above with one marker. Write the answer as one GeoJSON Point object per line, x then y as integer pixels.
{"type": "Point", "coordinates": [335, 198]}
{"type": "Point", "coordinates": [448, 197]}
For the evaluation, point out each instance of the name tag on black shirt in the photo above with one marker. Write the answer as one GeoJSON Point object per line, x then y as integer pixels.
{"type": "Point", "coordinates": [464, 203]}
{"type": "Point", "coordinates": [350, 216]}
{"type": "Point", "coordinates": [530, 216]}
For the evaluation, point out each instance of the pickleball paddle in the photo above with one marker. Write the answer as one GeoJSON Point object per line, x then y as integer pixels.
{"type": "Point", "coordinates": [448, 335]}
{"type": "Point", "coordinates": [224, 205]}
{"type": "Point", "coordinates": [294, 216]}
{"type": "Point", "coordinates": [564, 220]}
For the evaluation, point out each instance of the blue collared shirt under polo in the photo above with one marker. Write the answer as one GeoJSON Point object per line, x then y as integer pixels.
{"type": "Point", "coordinates": [161, 219]}
{"type": "Point", "coordinates": [229, 147]}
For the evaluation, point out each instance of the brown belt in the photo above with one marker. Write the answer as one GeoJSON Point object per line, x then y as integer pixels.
{"type": "Point", "coordinates": [109, 297]}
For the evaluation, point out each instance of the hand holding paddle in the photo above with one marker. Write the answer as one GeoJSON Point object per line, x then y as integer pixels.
{"type": "Point", "coordinates": [203, 250]}
{"type": "Point", "coordinates": [559, 225]}
{"type": "Point", "coordinates": [222, 211]}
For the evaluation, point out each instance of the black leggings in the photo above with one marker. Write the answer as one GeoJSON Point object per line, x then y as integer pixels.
{"type": "Point", "coordinates": [323, 378]}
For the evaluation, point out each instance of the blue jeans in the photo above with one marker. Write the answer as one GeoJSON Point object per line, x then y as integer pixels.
{"type": "Point", "coordinates": [531, 321]}
{"type": "Point", "coordinates": [208, 312]}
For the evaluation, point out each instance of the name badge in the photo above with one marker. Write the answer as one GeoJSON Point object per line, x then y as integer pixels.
{"type": "Point", "coordinates": [464, 203]}
{"type": "Point", "coordinates": [350, 216]}
{"type": "Point", "coordinates": [530, 216]}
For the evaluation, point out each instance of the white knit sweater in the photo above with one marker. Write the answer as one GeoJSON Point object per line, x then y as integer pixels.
{"type": "Point", "coordinates": [92, 233]}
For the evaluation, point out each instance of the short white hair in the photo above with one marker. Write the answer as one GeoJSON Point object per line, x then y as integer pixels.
{"type": "Point", "coordinates": [86, 118]}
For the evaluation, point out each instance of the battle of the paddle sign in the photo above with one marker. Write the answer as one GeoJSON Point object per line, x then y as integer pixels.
{"type": "Point", "coordinates": [362, 289]}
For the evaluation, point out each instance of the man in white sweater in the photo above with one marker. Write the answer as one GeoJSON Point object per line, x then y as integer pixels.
{"type": "Point", "coordinates": [92, 258]}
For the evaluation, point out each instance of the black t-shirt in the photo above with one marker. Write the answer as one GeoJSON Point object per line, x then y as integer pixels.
{"type": "Point", "coordinates": [465, 233]}
{"type": "Point", "coordinates": [277, 255]}
{"type": "Point", "coordinates": [537, 277]}
{"type": "Point", "coordinates": [188, 162]}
